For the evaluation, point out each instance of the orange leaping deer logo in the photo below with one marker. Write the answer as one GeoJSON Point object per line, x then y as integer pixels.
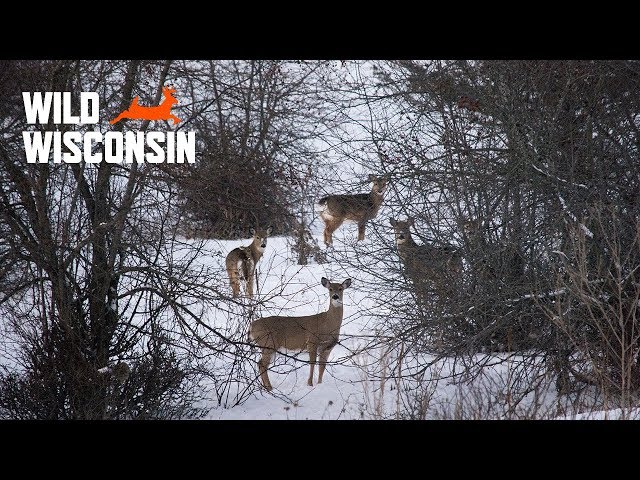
{"type": "Point", "coordinates": [161, 112]}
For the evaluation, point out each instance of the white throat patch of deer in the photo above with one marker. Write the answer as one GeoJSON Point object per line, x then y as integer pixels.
{"type": "Point", "coordinates": [241, 262]}
{"type": "Point", "coordinates": [317, 334]}
{"type": "Point", "coordinates": [430, 267]}
{"type": "Point", "coordinates": [360, 208]}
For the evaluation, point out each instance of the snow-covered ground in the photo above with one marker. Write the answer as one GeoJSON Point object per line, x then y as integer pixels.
{"type": "Point", "coordinates": [357, 383]}
{"type": "Point", "coordinates": [613, 414]}
{"type": "Point", "coordinates": [286, 288]}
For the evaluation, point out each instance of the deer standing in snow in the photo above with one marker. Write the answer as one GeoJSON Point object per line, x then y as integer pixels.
{"type": "Point", "coordinates": [241, 262]}
{"type": "Point", "coordinates": [317, 334]}
{"type": "Point", "coordinates": [360, 208]}
{"type": "Point", "coordinates": [430, 267]}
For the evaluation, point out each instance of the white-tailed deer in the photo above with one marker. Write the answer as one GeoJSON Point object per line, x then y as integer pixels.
{"type": "Point", "coordinates": [317, 334]}
{"type": "Point", "coordinates": [360, 208]}
{"type": "Point", "coordinates": [241, 262]}
{"type": "Point", "coordinates": [430, 267]}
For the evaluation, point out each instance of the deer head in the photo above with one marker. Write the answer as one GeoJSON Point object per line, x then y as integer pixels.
{"type": "Point", "coordinates": [403, 234]}
{"type": "Point", "coordinates": [336, 290]}
{"type": "Point", "coordinates": [260, 237]}
{"type": "Point", "coordinates": [379, 183]}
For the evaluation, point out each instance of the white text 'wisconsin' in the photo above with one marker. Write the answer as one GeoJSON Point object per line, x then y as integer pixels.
{"type": "Point", "coordinates": [129, 147]}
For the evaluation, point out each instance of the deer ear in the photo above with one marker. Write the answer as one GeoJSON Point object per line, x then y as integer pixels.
{"type": "Point", "coordinates": [325, 282]}
{"type": "Point", "coordinates": [269, 230]}
{"type": "Point", "coordinates": [252, 231]}
{"type": "Point", "coordinates": [346, 283]}
{"type": "Point", "coordinates": [392, 221]}
{"type": "Point", "coordinates": [411, 221]}
{"type": "Point", "coordinates": [372, 177]}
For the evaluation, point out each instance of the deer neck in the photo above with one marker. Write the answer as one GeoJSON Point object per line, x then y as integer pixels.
{"type": "Point", "coordinates": [376, 199]}
{"type": "Point", "coordinates": [405, 248]}
{"type": "Point", "coordinates": [408, 244]}
{"type": "Point", "coordinates": [334, 314]}
{"type": "Point", "coordinates": [256, 251]}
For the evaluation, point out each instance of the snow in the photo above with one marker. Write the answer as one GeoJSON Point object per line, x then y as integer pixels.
{"type": "Point", "coordinates": [358, 383]}
{"type": "Point", "coordinates": [613, 414]}
{"type": "Point", "coordinates": [290, 289]}
{"type": "Point", "coordinates": [539, 170]}
{"type": "Point", "coordinates": [584, 228]}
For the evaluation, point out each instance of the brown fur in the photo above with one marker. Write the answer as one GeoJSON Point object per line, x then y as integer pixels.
{"type": "Point", "coordinates": [317, 333]}
{"type": "Point", "coordinates": [430, 267]}
{"type": "Point", "coordinates": [359, 208]}
{"type": "Point", "coordinates": [241, 262]}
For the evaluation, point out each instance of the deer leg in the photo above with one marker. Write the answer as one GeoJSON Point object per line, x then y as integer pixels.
{"type": "Point", "coordinates": [234, 281]}
{"type": "Point", "coordinates": [329, 228]}
{"type": "Point", "coordinates": [263, 365]}
{"type": "Point", "coordinates": [361, 231]}
{"type": "Point", "coordinates": [327, 234]}
{"type": "Point", "coordinates": [324, 355]}
{"type": "Point", "coordinates": [250, 281]}
{"type": "Point", "coordinates": [313, 353]}
{"type": "Point", "coordinates": [255, 276]}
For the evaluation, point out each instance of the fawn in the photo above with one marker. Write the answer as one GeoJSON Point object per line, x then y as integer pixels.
{"type": "Point", "coordinates": [317, 333]}
{"type": "Point", "coordinates": [360, 208]}
{"type": "Point", "coordinates": [241, 262]}
{"type": "Point", "coordinates": [161, 112]}
{"type": "Point", "coordinates": [425, 264]}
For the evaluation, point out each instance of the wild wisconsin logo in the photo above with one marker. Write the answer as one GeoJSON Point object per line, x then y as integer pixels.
{"type": "Point", "coordinates": [116, 147]}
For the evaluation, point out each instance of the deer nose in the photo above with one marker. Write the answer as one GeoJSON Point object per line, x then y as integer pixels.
{"type": "Point", "coordinates": [335, 296]}
{"type": "Point", "coordinates": [401, 237]}
{"type": "Point", "coordinates": [263, 245]}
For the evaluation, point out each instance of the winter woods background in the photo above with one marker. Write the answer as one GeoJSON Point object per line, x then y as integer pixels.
{"type": "Point", "coordinates": [114, 301]}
